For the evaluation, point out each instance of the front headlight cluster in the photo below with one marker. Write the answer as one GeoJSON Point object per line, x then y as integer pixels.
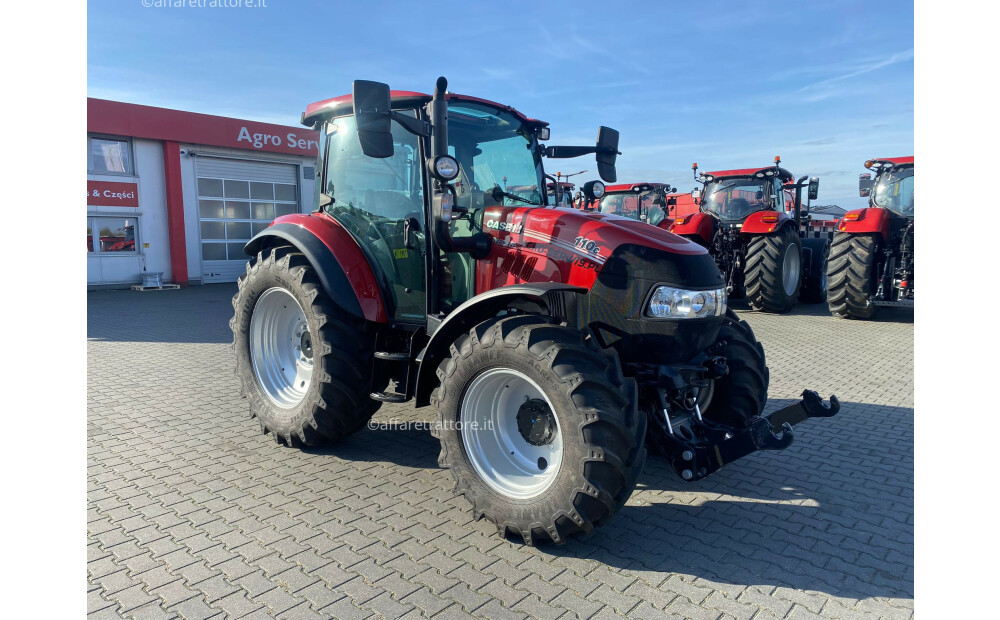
{"type": "Point", "coordinates": [668, 302]}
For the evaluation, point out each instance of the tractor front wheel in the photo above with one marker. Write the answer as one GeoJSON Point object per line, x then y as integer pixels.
{"type": "Point", "coordinates": [774, 270]}
{"type": "Point", "coordinates": [304, 362]}
{"type": "Point", "coordinates": [539, 428]}
{"type": "Point", "coordinates": [851, 276]}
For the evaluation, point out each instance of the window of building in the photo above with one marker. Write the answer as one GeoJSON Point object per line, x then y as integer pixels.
{"type": "Point", "coordinates": [112, 235]}
{"type": "Point", "coordinates": [109, 155]}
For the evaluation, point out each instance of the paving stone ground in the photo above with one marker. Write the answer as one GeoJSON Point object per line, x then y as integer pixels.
{"type": "Point", "coordinates": [193, 513]}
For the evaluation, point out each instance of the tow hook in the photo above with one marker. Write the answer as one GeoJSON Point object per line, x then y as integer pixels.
{"type": "Point", "coordinates": [714, 446]}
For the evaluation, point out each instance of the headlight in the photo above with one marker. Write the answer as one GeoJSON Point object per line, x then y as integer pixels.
{"type": "Point", "coordinates": [668, 302]}
{"type": "Point", "coordinates": [445, 167]}
{"type": "Point", "coordinates": [598, 189]}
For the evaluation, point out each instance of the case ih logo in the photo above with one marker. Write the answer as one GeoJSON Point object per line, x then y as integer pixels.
{"type": "Point", "coordinates": [504, 226]}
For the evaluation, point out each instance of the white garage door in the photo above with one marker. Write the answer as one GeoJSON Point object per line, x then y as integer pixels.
{"type": "Point", "coordinates": [236, 200]}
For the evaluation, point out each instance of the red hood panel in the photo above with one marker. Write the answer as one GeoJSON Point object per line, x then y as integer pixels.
{"type": "Point", "coordinates": [537, 244]}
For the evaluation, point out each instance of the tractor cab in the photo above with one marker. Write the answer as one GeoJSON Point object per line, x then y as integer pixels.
{"type": "Point", "coordinates": [646, 202]}
{"type": "Point", "coordinates": [893, 185]}
{"type": "Point", "coordinates": [730, 196]}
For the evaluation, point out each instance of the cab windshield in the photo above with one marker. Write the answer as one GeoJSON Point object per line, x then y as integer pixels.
{"type": "Point", "coordinates": [498, 163]}
{"type": "Point", "coordinates": [894, 191]}
{"type": "Point", "coordinates": [734, 199]}
{"type": "Point", "coordinates": [634, 205]}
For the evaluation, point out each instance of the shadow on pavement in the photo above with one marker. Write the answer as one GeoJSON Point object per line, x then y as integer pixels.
{"type": "Point", "coordinates": [832, 513]}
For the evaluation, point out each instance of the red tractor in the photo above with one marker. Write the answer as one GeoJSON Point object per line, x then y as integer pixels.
{"type": "Point", "coordinates": [871, 259]}
{"type": "Point", "coordinates": [554, 344]}
{"type": "Point", "coordinates": [751, 222]}
{"type": "Point", "coordinates": [646, 202]}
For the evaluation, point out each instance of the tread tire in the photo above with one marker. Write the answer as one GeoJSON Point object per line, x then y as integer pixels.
{"type": "Point", "coordinates": [851, 275]}
{"type": "Point", "coordinates": [764, 270]}
{"type": "Point", "coordinates": [603, 431]}
{"type": "Point", "coordinates": [337, 403]}
{"type": "Point", "coordinates": [741, 395]}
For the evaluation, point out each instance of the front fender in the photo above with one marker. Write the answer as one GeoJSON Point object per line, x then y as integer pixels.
{"type": "Point", "coordinates": [764, 222]}
{"type": "Point", "coordinates": [341, 265]}
{"type": "Point", "coordinates": [556, 297]}
{"type": "Point", "coordinates": [867, 220]}
{"type": "Point", "coordinates": [697, 224]}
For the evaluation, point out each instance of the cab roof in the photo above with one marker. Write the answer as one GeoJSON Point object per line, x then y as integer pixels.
{"type": "Point", "coordinates": [749, 172]}
{"type": "Point", "coordinates": [895, 161]}
{"type": "Point", "coordinates": [630, 187]}
{"type": "Point", "coordinates": [343, 105]}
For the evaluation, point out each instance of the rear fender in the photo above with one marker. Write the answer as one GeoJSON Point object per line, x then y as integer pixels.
{"type": "Point", "coordinates": [554, 298]}
{"type": "Point", "coordinates": [868, 220]}
{"type": "Point", "coordinates": [340, 264]}
{"type": "Point", "coordinates": [764, 222]}
{"type": "Point", "coordinates": [697, 224]}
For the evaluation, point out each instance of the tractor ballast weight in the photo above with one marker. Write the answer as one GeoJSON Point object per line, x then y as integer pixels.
{"type": "Point", "coordinates": [752, 221]}
{"type": "Point", "coordinates": [872, 255]}
{"type": "Point", "coordinates": [548, 339]}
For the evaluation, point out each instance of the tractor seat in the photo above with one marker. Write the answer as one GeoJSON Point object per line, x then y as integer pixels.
{"type": "Point", "coordinates": [738, 207]}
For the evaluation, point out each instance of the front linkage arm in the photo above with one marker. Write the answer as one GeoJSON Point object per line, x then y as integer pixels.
{"type": "Point", "coordinates": [716, 445]}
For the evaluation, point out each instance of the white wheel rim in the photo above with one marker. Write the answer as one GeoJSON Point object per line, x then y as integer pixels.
{"type": "Point", "coordinates": [497, 450]}
{"type": "Point", "coordinates": [790, 268]}
{"type": "Point", "coordinates": [281, 347]}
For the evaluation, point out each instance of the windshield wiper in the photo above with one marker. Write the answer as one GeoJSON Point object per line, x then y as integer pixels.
{"type": "Point", "coordinates": [498, 194]}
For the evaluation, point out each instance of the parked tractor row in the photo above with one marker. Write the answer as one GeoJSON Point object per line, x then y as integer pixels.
{"type": "Point", "coordinates": [557, 345]}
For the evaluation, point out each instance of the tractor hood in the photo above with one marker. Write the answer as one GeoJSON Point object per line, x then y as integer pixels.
{"type": "Point", "coordinates": [574, 246]}
{"type": "Point", "coordinates": [619, 260]}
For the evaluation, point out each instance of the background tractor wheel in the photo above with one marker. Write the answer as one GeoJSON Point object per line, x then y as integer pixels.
{"type": "Point", "coordinates": [304, 362]}
{"type": "Point", "coordinates": [851, 275]}
{"type": "Point", "coordinates": [774, 270]}
{"type": "Point", "coordinates": [741, 395]}
{"type": "Point", "coordinates": [814, 284]}
{"type": "Point", "coordinates": [550, 441]}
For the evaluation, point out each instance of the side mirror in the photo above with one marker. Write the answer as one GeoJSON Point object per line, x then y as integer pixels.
{"type": "Point", "coordinates": [813, 188]}
{"type": "Point", "coordinates": [865, 185]}
{"type": "Point", "coordinates": [607, 153]}
{"type": "Point", "coordinates": [373, 114]}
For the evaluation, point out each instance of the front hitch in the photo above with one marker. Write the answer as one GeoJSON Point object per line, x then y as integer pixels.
{"type": "Point", "coordinates": [712, 446]}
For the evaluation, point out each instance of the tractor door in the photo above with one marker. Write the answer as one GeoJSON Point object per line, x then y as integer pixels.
{"type": "Point", "coordinates": [380, 201]}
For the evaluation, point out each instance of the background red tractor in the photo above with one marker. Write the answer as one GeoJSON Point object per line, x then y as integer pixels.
{"type": "Point", "coordinates": [646, 202]}
{"type": "Point", "coordinates": [549, 340]}
{"type": "Point", "coordinates": [751, 222]}
{"type": "Point", "coordinates": [871, 259]}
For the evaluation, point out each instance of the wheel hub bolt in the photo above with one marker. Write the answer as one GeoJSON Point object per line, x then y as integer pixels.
{"type": "Point", "coordinates": [686, 474]}
{"type": "Point", "coordinates": [687, 455]}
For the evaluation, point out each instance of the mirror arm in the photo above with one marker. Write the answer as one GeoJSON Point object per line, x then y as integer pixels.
{"type": "Point", "coordinates": [416, 126]}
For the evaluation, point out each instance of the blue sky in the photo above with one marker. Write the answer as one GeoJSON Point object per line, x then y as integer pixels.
{"type": "Point", "coordinates": [825, 85]}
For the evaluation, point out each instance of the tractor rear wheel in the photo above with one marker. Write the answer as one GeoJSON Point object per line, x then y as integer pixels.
{"type": "Point", "coordinates": [774, 270]}
{"type": "Point", "coordinates": [852, 275]}
{"type": "Point", "coordinates": [539, 427]}
{"type": "Point", "coordinates": [303, 362]}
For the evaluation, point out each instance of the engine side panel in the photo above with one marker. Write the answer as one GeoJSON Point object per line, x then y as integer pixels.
{"type": "Point", "coordinates": [561, 245]}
